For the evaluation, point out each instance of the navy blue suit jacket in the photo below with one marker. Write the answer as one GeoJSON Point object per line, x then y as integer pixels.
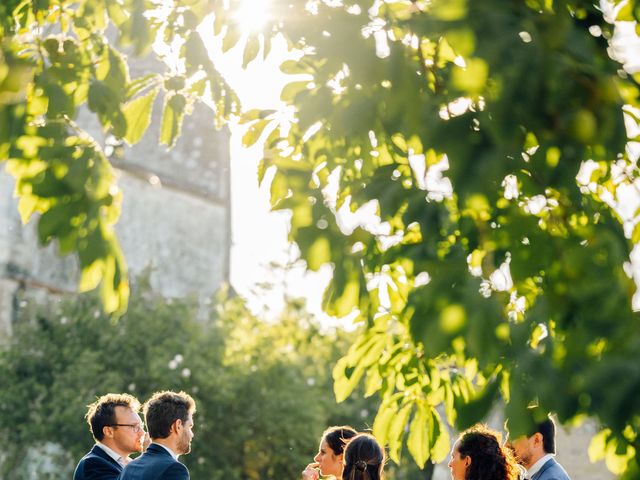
{"type": "Point", "coordinates": [155, 464]}
{"type": "Point", "coordinates": [97, 465]}
{"type": "Point", "coordinates": [551, 470]}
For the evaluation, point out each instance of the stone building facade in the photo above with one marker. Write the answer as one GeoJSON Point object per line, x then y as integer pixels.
{"type": "Point", "coordinates": [175, 220]}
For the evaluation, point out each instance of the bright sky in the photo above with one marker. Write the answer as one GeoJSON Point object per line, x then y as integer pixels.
{"type": "Point", "coordinates": [260, 248]}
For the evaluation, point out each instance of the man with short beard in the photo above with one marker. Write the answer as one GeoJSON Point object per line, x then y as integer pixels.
{"type": "Point", "coordinates": [536, 451]}
{"type": "Point", "coordinates": [169, 419]}
{"type": "Point", "coordinates": [118, 432]}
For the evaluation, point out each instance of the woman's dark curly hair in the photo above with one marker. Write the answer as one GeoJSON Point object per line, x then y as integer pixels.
{"type": "Point", "coordinates": [489, 459]}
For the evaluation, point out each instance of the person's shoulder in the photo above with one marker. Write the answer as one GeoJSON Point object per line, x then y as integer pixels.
{"type": "Point", "coordinates": [176, 471]}
{"type": "Point", "coordinates": [153, 459]}
{"type": "Point", "coordinates": [554, 471]}
{"type": "Point", "coordinates": [94, 467]}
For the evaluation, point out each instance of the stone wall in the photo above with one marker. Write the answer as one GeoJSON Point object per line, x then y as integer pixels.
{"type": "Point", "coordinates": [175, 219]}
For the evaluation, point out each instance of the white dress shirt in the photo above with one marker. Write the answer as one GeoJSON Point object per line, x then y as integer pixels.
{"type": "Point", "coordinates": [535, 468]}
{"type": "Point", "coordinates": [122, 460]}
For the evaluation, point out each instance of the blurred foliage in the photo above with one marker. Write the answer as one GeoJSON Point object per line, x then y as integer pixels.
{"type": "Point", "coordinates": [487, 270]}
{"type": "Point", "coordinates": [263, 389]}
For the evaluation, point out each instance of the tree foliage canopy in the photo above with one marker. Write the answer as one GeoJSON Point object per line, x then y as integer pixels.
{"type": "Point", "coordinates": [487, 137]}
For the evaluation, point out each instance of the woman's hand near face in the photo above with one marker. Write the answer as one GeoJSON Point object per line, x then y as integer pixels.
{"type": "Point", "coordinates": [311, 472]}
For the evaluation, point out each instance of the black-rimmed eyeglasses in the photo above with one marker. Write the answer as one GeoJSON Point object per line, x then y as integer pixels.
{"type": "Point", "coordinates": [136, 427]}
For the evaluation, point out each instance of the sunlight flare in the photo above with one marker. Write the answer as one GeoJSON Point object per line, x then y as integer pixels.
{"type": "Point", "coordinates": [252, 15]}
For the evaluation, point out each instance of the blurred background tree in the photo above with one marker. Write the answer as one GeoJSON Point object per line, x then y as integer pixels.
{"type": "Point", "coordinates": [263, 388]}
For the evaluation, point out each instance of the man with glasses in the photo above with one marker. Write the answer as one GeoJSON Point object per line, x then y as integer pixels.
{"type": "Point", "coordinates": [169, 417]}
{"type": "Point", "coordinates": [118, 431]}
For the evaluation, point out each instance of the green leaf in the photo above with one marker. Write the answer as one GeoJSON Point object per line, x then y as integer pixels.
{"type": "Point", "coordinates": [106, 103]}
{"type": "Point", "coordinates": [279, 188]}
{"type": "Point", "coordinates": [139, 84]}
{"type": "Point", "coordinates": [138, 115]}
{"type": "Point", "coordinates": [373, 383]}
{"type": "Point", "coordinates": [266, 48]}
{"type": "Point", "coordinates": [449, 10]}
{"type": "Point", "coordinates": [172, 117]}
{"type": "Point", "coordinates": [60, 104]}
{"type": "Point", "coordinates": [27, 206]}
{"type": "Point", "coordinates": [382, 422]}
{"type": "Point", "coordinates": [52, 222]}
{"type": "Point", "coordinates": [635, 236]}
{"type": "Point", "coordinates": [231, 38]}
{"type": "Point", "coordinates": [625, 14]}
{"type": "Point", "coordinates": [439, 438]}
{"type": "Point", "coordinates": [253, 132]}
{"type": "Point", "coordinates": [348, 300]}
{"type": "Point", "coordinates": [291, 90]}
{"type": "Point", "coordinates": [598, 445]}
{"type": "Point", "coordinates": [116, 13]}
{"type": "Point", "coordinates": [218, 23]}
{"type": "Point", "coordinates": [251, 50]}
{"type": "Point", "coordinates": [318, 254]}
{"type": "Point", "coordinates": [617, 461]}
{"type": "Point", "coordinates": [294, 67]}
{"type": "Point", "coordinates": [262, 169]}
{"type": "Point", "coordinates": [473, 77]}
{"type": "Point", "coordinates": [117, 77]}
{"type": "Point", "coordinates": [396, 431]}
{"type": "Point", "coordinates": [418, 440]}
{"type": "Point", "coordinates": [195, 54]}
{"type": "Point", "coordinates": [114, 289]}
{"type": "Point", "coordinates": [91, 275]}
{"type": "Point", "coordinates": [345, 379]}
{"type": "Point", "coordinates": [477, 407]}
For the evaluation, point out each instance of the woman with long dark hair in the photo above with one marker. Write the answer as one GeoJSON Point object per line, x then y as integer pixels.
{"type": "Point", "coordinates": [329, 460]}
{"type": "Point", "coordinates": [478, 454]}
{"type": "Point", "coordinates": [364, 458]}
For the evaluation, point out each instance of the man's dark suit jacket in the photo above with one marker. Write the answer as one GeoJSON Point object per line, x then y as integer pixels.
{"type": "Point", "coordinates": [551, 470]}
{"type": "Point", "coordinates": [97, 465]}
{"type": "Point", "coordinates": [155, 464]}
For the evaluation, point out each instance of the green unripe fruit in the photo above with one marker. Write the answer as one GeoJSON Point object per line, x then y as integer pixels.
{"type": "Point", "coordinates": [583, 126]}
{"type": "Point", "coordinates": [174, 83]}
{"type": "Point", "coordinates": [609, 91]}
{"type": "Point", "coordinates": [178, 102]}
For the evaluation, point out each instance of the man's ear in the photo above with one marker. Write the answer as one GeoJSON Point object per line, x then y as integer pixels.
{"type": "Point", "coordinates": [176, 426]}
{"type": "Point", "coordinates": [538, 439]}
{"type": "Point", "coordinates": [107, 431]}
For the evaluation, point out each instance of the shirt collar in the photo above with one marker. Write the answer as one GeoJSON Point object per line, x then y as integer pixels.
{"type": "Point", "coordinates": [535, 468]}
{"type": "Point", "coordinates": [168, 450]}
{"type": "Point", "coordinates": [122, 460]}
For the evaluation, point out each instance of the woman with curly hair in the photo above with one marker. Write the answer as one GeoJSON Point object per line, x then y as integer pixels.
{"type": "Point", "coordinates": [478, 454]}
